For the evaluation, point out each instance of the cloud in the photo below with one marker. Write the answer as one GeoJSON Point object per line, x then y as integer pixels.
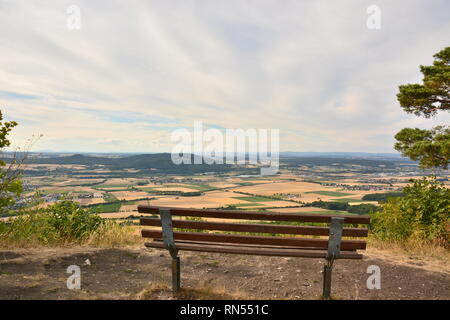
{"type": "Point", "coordinates": [138, 69]}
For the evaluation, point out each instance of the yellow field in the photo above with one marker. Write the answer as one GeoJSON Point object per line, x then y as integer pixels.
{"type": "Point", "coordinates": [222, 185]}
{"type": "Point", "coordinates": [213, 199]}
{"type": "Point", "coordinates": [61, 189]}
{"type": "Point", "coordinates": [89, 201]}
{"type": "Point", "coordinates": [128, 208]}
{"type": "Point", "coordinates": [117, 214]}
{"type": "Point", "coordinates": [129, 195]}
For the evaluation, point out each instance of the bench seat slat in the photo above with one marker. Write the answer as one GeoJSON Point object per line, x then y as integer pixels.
{"type": "Point", "coordinates": [204, 247]}
{"type": "Point", "coordinates": [252, 215]}
{"type": "Point", "coordinates": [281, 241]}
{"type": "Point", "coordinates": [257, 228]}
{"type": "Point", "coordinates": [245, 245]}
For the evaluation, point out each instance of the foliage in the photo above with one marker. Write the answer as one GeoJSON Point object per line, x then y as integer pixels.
{"type": "Point", "coordinates": [363, 208]}
{"type": "Point", "coordinates": [381, 197]}
{"type": "Point", "coordinates": [427, 99]}
{"type": "Point", "coordinates": [330, 205]}
{"type": "Point", "coordinates": [10, 184]}
{"type": "Point", "coordinates": [344, 206]}
{"type": "Point", "coordinates": [61, 223]}
{"type": "Point", "coordinates": [422, 214]}
{"type": "Point", "coordinates": [430, 147]}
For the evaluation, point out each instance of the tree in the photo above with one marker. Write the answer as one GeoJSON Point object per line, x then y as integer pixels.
{"type": "Point", "coordinates": [430, 147]}
{"type": "Point", "coordinates": [10, 184]}
{"type": "Point", "coordinates": [427, 99]}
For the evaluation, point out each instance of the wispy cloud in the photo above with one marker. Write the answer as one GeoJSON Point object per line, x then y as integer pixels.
{"type": "Point", "coordinates": [138, 69]}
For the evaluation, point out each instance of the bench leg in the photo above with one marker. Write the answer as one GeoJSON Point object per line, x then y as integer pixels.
{"type": "Point", "coordinates": [175, 275]}
{"type": "Point", "coordinates": [327, 281]}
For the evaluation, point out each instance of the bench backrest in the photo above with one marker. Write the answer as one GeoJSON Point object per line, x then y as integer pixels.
{"type": "Point", "coordinates": [200, 229]}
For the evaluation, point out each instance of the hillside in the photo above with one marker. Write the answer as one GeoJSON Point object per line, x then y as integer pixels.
{"type": "Point", "coordinates": [157, 162]}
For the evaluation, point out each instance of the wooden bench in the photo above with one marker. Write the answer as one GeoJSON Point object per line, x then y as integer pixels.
{"type": "Point", "coordinates": [331, 248]}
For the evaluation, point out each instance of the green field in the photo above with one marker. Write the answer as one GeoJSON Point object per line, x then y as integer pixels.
{"type": "Point", "coordinates": [245, 184]}
{"type": "Point", "coordinates": [110, 198]}
{"type": "Point", "coordinates": [331, 193]}
{"type": "Point", "coordinates": [194, 187]}
{"type": "Point", "coordinates": [107, 208]}
{"type": "Point", "coordinates": [123, 185]}
{"type": "Point", "coordinates": [253, 204]}
{"type": "Point", "coordinates": [147, 189]}
{"type": "Point", "coordinates": [253, 199]}
{"type": "Point", "coordinates": [190, 186]}
{"type": "Point", "coordinates": [348, 200]}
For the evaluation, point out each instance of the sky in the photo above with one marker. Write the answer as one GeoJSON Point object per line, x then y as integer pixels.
{"type": "Point", "coordinates": [136, 71]}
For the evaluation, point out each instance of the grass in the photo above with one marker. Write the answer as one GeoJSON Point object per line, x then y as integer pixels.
{"type": "Point", "coordinates": [253, 199]}
{"type": "Point", "coordinates": [109, 207]}
{"type": "Point", "coordinates": [147, 189]}
{"type": "Point", "coordinates": [415, 249]}
{"type": "Point", "coordinates": [331, 193]}
{"type": "Point", "coordinates": [203, 291]}
{"type": "Point", "coordinates": [64, 224]}
{"type": "Point", "coordinates": [109, 235]}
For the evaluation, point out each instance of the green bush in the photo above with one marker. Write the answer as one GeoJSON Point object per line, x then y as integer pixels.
{"type": "Point", "coordinates": [62, 223]}
{"type": "Point", "coordinates": [330, 205]}
{"type": "Point", "coordinates": [71, 222]}
{"type": "Point", "coordinates": [363, 208]}
{"type": "Point", "coordinates": [422, 214]}
{"type": "Point", "coordinates": [381, 197]}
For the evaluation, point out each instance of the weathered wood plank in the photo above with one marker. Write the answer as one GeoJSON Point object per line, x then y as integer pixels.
{"type": "Point", "coordinates": [257, 228]}
{"type": "Point", "coordinates": [251, 215]}
{"type": "Point", "coordinates": [281, 241]}
{"type": "Point", "coordinates": [254, 251]}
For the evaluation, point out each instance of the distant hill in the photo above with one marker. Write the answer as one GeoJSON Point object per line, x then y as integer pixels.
{"type": "Point", "coordinates": [348, 155]}
{"type": "Point", "coordinates": [161, 162]}
{"type": "Point", "coordinates": [296, 161]}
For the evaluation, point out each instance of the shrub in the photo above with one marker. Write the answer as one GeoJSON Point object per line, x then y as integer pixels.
{"type": "Point", "coordinates": [71, 222]}
{"type": "Point", "coordinates": [363, 208]}
{"type": "Point", "coordinates": [62, 223]}
{"type": "Point", "coordinates": [422, 214]}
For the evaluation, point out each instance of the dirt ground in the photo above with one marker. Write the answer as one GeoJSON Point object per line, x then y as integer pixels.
{"type": "Point", "coordinates": [139, 273]}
